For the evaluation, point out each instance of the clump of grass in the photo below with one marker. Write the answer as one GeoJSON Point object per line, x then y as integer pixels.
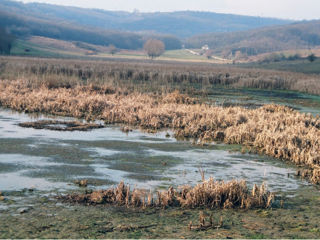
{"type": "Point", "coordinates": [204, 224]}
{"type": "Point", "coordinates": [82, 183]}
{"type": "Point", "coordinates": [207, 194]}
{"type": "Point", "coordinates": [2, 198]}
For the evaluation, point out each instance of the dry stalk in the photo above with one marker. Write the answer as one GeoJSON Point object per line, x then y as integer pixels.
{"type": "Point", "coordinates": [208, 194]}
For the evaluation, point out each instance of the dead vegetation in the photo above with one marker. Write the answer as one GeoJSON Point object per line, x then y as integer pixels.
{"type": "Point", "coordinates": [207, 194]}
{"type": "Point", "coordinates": [142, 95]}
{"type": "Point", "coordinates": [143, 76]}
{"type": "Point", "coordinates": [277, 131]}
{"type": "Point", "coordinates": [130, 228]}
{"type": "Point", "coordinates": [204, 224]}
{"type": "Point", "coordinates": [60, 125]}
{"type": "Point", "coordinates": [1, 197]}
{"type": "Point", "coordinates": [82, 183]}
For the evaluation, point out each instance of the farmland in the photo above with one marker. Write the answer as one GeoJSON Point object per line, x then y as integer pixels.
{"type": "Point", "coordinates": [47, 47]}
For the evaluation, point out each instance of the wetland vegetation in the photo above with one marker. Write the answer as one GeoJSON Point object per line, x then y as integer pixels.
{"type": "Point", "coordinates": [207, 194]}
{"type": "Point", "coordinates": [176, 119]}
{"type": "Point", "coordinates": [152, 76]}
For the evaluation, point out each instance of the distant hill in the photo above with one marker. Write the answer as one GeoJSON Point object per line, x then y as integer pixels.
{"type": "Point", "coordinates": [300, 35]}
{"type": "Point", "coordinates": [226, 34]}
{"type": "Point", "coordinates": [181, 24]}
{"type": "Point", "coordinates": [23, 24]}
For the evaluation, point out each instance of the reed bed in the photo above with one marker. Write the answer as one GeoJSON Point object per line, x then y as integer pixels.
{"type": "Point", "coordinates": [207, 194]}
{"type": "Point", "coordinates": [154, 76]}
{"type": "Point", "coordinates": [277, 131]}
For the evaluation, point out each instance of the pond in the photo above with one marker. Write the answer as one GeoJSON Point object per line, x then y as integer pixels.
{"type": "Point", "coordinates": [37, 164]}
{"type": "Point", "coordinates": [52, 160]}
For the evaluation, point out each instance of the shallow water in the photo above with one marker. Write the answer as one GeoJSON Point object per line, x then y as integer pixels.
{"type": "Point", "coordinates": [253, 98]}
{"type": "Point", "coordinates": [51, 161]}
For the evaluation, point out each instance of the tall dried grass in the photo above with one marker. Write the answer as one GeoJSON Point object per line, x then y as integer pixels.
{"type": "Point", "coordinates": [209, 193]}
{"type": "Point", "coordinates": [151, 76]}
{"type": "Point", "coordinates": [274, 130]}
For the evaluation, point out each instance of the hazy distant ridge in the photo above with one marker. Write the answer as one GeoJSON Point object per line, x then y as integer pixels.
{"type": "Point", "coordinates": [226, 34]}
{"type": "Point", "coordinates": [300, 35]}
{"type": "Point", "coordinates": [181, 24]}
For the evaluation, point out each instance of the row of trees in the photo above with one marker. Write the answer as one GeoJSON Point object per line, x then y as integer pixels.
{"type": "Point", "coordinates": [278, 57]}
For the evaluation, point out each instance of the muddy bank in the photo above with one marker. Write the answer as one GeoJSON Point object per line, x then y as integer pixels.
{"type": "Point", "coordinates": [55, 125]}
{"type": "Point", "coordinates": [298, 218]}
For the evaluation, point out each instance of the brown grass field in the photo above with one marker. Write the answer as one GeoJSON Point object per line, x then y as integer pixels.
{"type": "Point", "coordinates": [151, 76]}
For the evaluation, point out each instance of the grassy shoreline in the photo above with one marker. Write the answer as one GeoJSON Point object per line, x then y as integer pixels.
{"type": "Point", "coordinates": [47, 219]}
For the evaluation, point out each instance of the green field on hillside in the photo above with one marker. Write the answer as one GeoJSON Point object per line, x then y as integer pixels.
{"type": "Point", "coordinates": [303, 66]}
{"type": "Point", "coordinates": [28, 48]}
{"type": "Point", "coordinates": [25, 48]}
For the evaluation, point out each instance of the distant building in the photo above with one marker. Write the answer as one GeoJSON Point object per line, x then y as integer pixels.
{"type": "Point", "coordinates": [205, 47]}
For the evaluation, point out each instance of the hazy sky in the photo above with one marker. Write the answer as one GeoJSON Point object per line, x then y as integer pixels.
{"type": "Point", "coordinates": [293, 9]}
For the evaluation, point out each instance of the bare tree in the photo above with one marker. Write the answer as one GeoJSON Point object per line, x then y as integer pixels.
{"type": "Point", "coordinates": [154, 48]}
{"type": "Point", "coordinates": [112, 49]}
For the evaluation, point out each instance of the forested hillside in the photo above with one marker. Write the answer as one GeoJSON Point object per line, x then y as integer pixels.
{"type": "Point", "coordinates": [226, 34]}
{"type": "Point", "coordinates": [300, 35]}
{"type": "Point", "coordinates": [181, 24]}
{"type": "Point", "coordinates": [22, 25]}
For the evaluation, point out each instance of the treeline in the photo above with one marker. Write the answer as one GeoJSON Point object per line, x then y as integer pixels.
{"type": "Point", "coordinates": [6, 41]}
{"type": "Point", "coordinates": [300, 35]}
{"type": "Point", "coordinates": [278, 57]}
{"type": "Point", "coordinates": [22, 26]}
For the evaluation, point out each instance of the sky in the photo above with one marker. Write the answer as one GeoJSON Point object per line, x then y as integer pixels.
{"type": "Point", "coordinates": [288, 9]}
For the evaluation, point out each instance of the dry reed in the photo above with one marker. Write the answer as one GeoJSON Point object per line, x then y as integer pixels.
{"type": "Point", "coordinates": [150, 76]}
{"type": "Point", "coordinates": [207, 194]}
{"type": "Point", "coordinates": [277, 131]}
